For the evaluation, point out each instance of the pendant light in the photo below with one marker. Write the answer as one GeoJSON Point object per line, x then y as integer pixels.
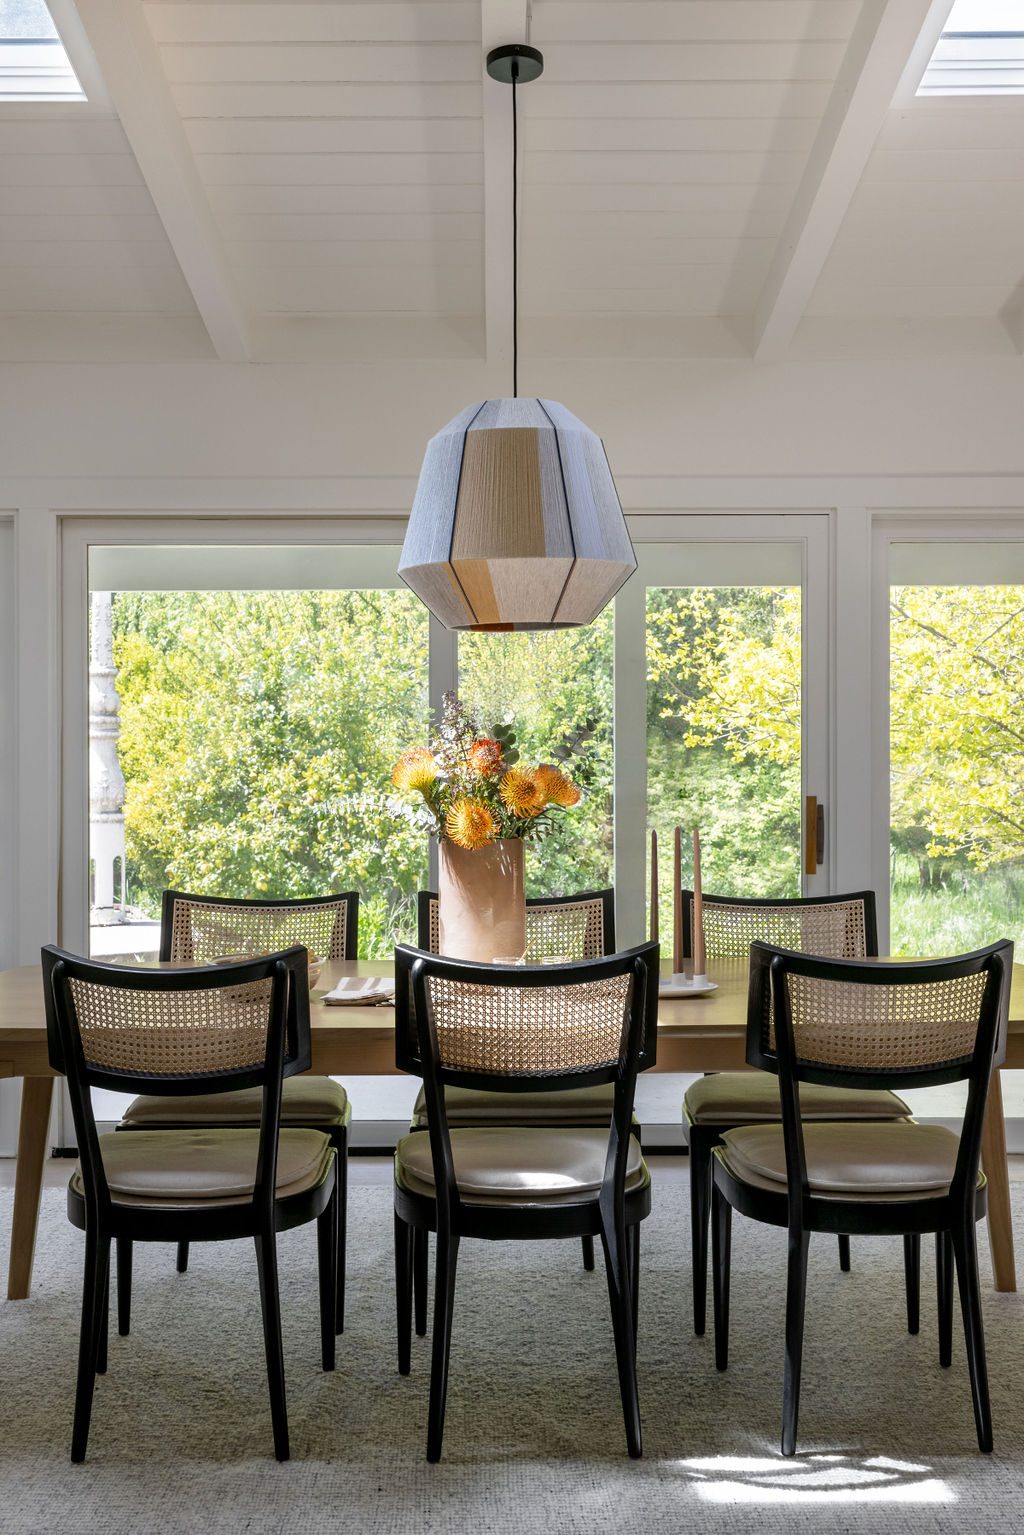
{"type": "Point", "coordinates": [516, 522]}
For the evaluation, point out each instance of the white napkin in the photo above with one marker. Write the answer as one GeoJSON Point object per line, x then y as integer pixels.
{"type": "Point", "coordinates": [360, 991]}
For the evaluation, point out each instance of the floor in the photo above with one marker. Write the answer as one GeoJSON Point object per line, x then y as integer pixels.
{"type": "Point", "coordinates": [534, 1442]}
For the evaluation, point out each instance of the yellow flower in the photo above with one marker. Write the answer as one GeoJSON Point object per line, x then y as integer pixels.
{"type": "Point", "coordinates": [485, 756]}
{"type": "Point", "coordinates": [556, 787]}
{"type": "Point", "coordinates": [415, 769]}
{"type": "Point", "coordinates": [522, 794]}
{"type": "Point", "coordinates": [469, 823]}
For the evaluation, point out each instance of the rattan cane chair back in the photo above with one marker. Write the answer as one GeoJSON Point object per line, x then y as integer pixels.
{"type": "Point", "coordinates": [860, 1024]}
{"type": "Point", "coordinates": [196, 930]}
{"type": "Point", "coordinates": [172, 1033]}
{"type": "Point", "coordinates": [563, 927]}
{"type": "Point", "coordinates": [176, 1031]}
{"type": "Point", "coordinates": [529, 1031]}
{"type": "Point", "coordinates": [840, 927]}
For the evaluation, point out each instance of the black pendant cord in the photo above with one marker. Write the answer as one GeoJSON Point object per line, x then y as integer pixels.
{"type": "Point", "coordinates": [515, 235]}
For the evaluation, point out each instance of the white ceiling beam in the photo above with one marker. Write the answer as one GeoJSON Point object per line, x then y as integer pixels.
{"type": "Point", "coordinates": [501, 21]}
{"type": "Point", "coordinates": [130, 64]}
{"type": "Point", "coordinates": [882, 43]}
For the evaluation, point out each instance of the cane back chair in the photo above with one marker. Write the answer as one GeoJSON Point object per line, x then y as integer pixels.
{"type": "Point", "coordinates": [200, 929]}
{"type": "Point", "coordinates": [522, 1030]}
{"type": "Point", "coordinates": [839, 927]}
{"type": "Point", "coordinates": [557, 926]}
{"type": "Point", "coordinates": [196, 1032]}
{"type": "Point", "coordinates": [854, 1024]}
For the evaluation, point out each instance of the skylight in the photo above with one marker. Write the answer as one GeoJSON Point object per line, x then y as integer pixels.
{"type": "Point", "coordinates": [33, 63]}
{"type": "Point", "coordinates": [980, 52]}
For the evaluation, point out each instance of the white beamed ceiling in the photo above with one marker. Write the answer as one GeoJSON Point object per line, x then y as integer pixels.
{"type": "Point", "coordinates": [339, 145]}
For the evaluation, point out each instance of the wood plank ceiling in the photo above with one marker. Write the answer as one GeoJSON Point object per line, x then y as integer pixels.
{"type": "Point", "coordinates": [337, 153]}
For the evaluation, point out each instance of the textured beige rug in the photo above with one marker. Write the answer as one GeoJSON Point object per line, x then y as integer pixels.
{"type": "Point", "coordinates": [181, 1437]}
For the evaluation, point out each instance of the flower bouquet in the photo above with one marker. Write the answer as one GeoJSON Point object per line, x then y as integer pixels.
{"type": "Point", "coordinates": [482, 805]}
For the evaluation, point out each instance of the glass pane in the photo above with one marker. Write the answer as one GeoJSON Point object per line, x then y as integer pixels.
{"type": "Point", "coordinates": [241, 743]}
{"type": "Point", "coordinates": [723, 736]}
{"type": "Point", "coordinates": [956, 753]}
{"type": "Point", "coordinates": [558, 689]}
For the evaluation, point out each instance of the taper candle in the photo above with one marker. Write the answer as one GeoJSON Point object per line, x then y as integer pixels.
{"type": "Point", "coordinates": [699, 957]}
{"type": "Point", "coordinates": [654, 887]}
{"type": "Point", "coordinates": [677, 904]}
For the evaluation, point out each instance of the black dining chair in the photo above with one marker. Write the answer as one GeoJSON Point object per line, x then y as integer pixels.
{"type": "Point", "coordinates": [198, 929]}
{"type": "Point", "coordinates": [512, 1030]}
{"type": "Point", "coordinates": [837, 927]}
{"type": "Point", "coordinates": [199, 1031]}
{"type": "Point", "coordinates": [580, 926]}
{"type": "Point", "coordinates": [854, 1024]}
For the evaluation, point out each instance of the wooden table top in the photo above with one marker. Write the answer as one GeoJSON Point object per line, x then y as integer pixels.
{"type": "Point", "coordinates": [363, 1037]}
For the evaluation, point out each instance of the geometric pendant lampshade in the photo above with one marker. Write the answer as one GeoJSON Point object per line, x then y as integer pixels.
{"type": "Point", "coordinates": [516, 522]}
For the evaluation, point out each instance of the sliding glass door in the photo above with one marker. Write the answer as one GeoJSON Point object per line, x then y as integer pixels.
{"type": "Point", "coordinates": [955, 630]}
{"type": "Point", "coordinates": [722, 680]}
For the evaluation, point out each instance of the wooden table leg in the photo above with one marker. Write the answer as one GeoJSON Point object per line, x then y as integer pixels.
{"type": "Point", "coordinates": [993, 1160]}
{"type": "Point", "coordinates": [36, 1094]}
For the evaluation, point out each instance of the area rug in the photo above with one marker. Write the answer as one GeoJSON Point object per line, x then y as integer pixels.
{"type": "Point", "coordinates": [534, 1443]}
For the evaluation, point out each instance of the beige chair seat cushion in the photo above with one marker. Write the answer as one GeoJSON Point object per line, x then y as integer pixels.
{"type": "Point", "coordinates": [518, 1165]}
{"type": "Point", "coordinates": [305, 1100]}
{"type": "Point", "coordinates": [183, 1169]}
{"type": "Point", "coordinates": [740, 1097]}
{"type": "Point", "coordinates": [894, 1160]}
{"type": "Point", "coordinates": [469, 1106]}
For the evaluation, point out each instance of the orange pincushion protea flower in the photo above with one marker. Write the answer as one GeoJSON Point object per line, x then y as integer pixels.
{"type": "Point", "coordinates": [469, 823]}
{"type": "Point", "coordinates": [484, 756]}
{"type": "Point", "coordinates": [415, 769]}
{"type": "Point", "coordinates": [522, 794]}
{"type": "Point", "coordinates": [556, 787]}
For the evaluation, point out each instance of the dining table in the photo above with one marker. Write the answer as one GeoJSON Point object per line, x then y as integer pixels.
{"type": "Point", "coordinates": [696, 1034]}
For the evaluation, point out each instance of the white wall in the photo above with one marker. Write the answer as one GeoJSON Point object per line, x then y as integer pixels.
{"type": "Point", "coordinates": [9, 1091]}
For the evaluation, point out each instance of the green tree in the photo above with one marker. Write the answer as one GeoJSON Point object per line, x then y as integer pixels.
{"type": "Point", "coordinates": [258, 732]}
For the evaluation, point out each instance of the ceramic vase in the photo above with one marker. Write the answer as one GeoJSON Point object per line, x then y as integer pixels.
{"type": "Point", "coordinates": [481, 900]}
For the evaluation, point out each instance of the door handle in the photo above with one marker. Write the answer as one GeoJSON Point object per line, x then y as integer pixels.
{"type": "Point", "coordinates": [814, 834]}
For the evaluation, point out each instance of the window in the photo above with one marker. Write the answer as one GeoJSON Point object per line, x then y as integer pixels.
{"type": "Point", "coordinates": [980, 52]}
{"type": "Point", "coordinates": [241, 737]}
{"type": "Point", "coordinates": [724, 732]}
{"type": "Point", "coordinates": [34, 65]}
{"type": "Point", "coordinates": [956, 680]}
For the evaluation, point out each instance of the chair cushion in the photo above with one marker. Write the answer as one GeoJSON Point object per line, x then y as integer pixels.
{"type": "Point", "coordinates": [517, 1165]}
{"type": "Point", "coordinates": [305, 1100]}
{"type": "Point", "coordinates": [895, 1159]}
{"type": "Point", "coordinates": [467, 1106]}
{"type": "Point", "coordinates": [738, 1097]}
{"type": "Point", "coordinates": [180, 1169]}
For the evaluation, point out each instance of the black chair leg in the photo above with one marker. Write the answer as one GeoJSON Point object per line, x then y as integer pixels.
{"type": "Point", "coordinates": [796, 1297]}
{"type": "Point", "coordinates": [700, 1215]}
{"type": "Point", "coordinates": [944, 1295]}
{"type": "Point", "coordinates": [420, 1260]}
{"type": "Point", "coordinates": [341, 1174]}
{"type": "Point", "coordinates": [444, 1305]}
{"type": "Point", "coordinates": [633, 1251]}
{"type": "Point", "coordinates": [617, 1267]}
{"type": "Point", "coordinates": [844, 1254]}
{"type": "Point", "coordinates": [97, 1250]}
{"type": "Point", "coordinates": [104, 1325]}
{"type": "Point", "coordinates": [327, 1266]}
{"type": "Point", "coordinates": [403, 1292]}
{"type": "Point", "coordinates": [124, 1285]}
{"type": "Point", "coordinates": [182, 1264]}
{"type": "Point", "coordinates": [270, 1302]}
{"type": "Point", "coordinates": [912, 1274]}
{"type": "Point", "coordinates": [588, 1254]}
{"type": "Point", "coordinates": [721, 1264]}
{"type": "Point", "coordinates": [966, 1254]}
